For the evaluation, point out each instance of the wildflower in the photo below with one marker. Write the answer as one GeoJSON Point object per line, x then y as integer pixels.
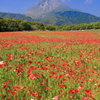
{"type": "Point", "coordinates": [8, 90]}
{"type": "Point", "coordinates": [44, 80]}
{"type": "Point", "coordinates": [85, 98]}
{"type": "Point", "coordinates": [40, 97]}
{"type": "Point", "coordinates": [23, 87]}
{"type": "Point", "coordinates": [73, 91]}
{"type": "Point", "coordinates": [29, 62]}
{"type": "Point", "coordinates": [32, 98]}
{"type": "Point", "coordinates": [95, 66]}
{"type": "Point", "coordinates": [9, 98]}
{"type": "Point", "coordinates": [61, 86]}
{"type": "Point", "coordinates": [66, 74]}
{"type": "Point", "coordinates": [55, 98]}
{"type": "Point", "coordinates": [80, 87]}
{"type": "Point", "coordinates": [13, 93]}
{"type": "Point", "coordinates": [63, 80]}
{"type": "Point", "coordinates": [60, 76]}
{"type": "Point", "coordinates": [1, 62]}
{"type": "Point", "coordinates": [99, 85]}
{"type": "Point", "coordinates": [88, 92]}
{"type": "Point", "coordinates": [42, 84]}
{"type": "Point", "coordinates": [70, 96]}
{"type": "Point", "coordinates": [47, 87]}
{"type": "Point", "coordinates": [8, 81]}
{"type": "Point", "coordinates": [4, 83]}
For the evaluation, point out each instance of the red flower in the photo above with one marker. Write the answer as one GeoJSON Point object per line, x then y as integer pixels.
{"type": "Point", "coordinates": [9, 98]}
{"type": "Point", "coordinates": [8, 90]}
{"type": "Point", "coordinates": [8, 81]}
{"type": "Point", "coordinates": [23, 87]}
{"type": "Point", "coordinates": [47, 87]}
{"type": "Point", "coordinates": [60, 76]}
{"type": "Point", "coordinates": [99, 85]}
{"type": "Point", "coordinates": [13, 93]}
{"type": "Point", "coordinates": [40, 97]}
{"type": "Point", "coordinates": [15, 88]}
{"type": "Point", "coordinates": [42, 84]}
{"type": "Point", "coordinates": [88, 92]}
{"type": "Point", "coordinates": [30, 62]}
{"type": "Point", "coordinates": [55, 98]}
{"type": "Point", "coordinates": [44, 80]}
{"type": "Point", "coordinates": [70, 96]}
{"type": "Point", "coordinates": [73, 91]}
{"type": "Point", "coordinates": [85, 98]}
{"type": "Point", "coordinates": [63, 80]}
{"type": "Point", "coordinates": [61, 86]}
{"type": "Point", "coordinates": [4, 83]}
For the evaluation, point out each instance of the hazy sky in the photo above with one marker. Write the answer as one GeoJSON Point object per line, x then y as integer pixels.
{"type": "Point", "coordinates": [20, 6]}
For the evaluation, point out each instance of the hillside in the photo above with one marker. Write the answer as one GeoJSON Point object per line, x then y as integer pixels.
{"type": "Point", "coordinates": [15, 16]}
{"type": "Point", "coordinates": [69, 18]}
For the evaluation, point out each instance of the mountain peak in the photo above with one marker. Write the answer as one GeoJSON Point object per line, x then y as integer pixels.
{"type": "Point", "coordinates": [46, 5]}
{"type": "Point", "coordinates": [41, 8]}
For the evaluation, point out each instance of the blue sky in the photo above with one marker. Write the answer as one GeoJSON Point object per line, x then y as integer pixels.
{"type": "Point", "coordinates": [20, 6]}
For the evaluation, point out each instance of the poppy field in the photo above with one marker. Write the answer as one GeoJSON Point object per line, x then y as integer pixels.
{"type": "Point", "coordinates": [48, 65]}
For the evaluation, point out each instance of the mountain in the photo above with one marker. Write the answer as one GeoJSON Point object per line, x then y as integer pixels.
{"type": "Point", "coordinates": [56, 13]}
{"type": "Point", "coordinates": [43, 7]}
{"type": "Point", "coordinates": [15, 16]}
{"type": "Point", "coordinates": [69, 18]}
{"type": "Point", "coordinates": [53, 12]}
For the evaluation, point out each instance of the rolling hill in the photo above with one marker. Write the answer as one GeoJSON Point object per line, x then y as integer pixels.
{"type": "Point", "coordinates": [15, 16]}
{"type": "Point", "coordinates": [69, 18]}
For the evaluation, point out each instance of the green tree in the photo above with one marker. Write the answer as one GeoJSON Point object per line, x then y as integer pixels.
{"type": "Point", "coordinates": [50, 27]}
{"type": "Point", "coordinates": [25, 25]}
{"type": "Point", "coordinates": [97, 25]}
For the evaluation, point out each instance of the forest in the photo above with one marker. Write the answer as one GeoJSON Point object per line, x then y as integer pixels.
{"type": "Point", "coordinates": [7, 24]}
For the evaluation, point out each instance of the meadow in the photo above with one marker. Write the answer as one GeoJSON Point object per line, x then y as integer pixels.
{"type": "Point", "coordinates": [50, 65]}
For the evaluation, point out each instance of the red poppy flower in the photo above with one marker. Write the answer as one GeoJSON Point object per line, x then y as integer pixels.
{"type": "Point", "coordinates": [61, 86]}
{"type": "Point", "coordinates": [85, 98]}
{"type": "Point", "coordinates": [88, 92]}
{"type": "Point", "coordinates": [13, 93]}
{"type": "Point", "coordinates": [99, 85]}
{"type": "Point", "coordinates": [73, 91]}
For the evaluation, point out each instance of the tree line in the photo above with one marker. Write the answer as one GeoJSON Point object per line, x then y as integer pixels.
{"type": "Point", "coordinates": [7, 24]}
{"type": "Point", "coordinates": [84, 26]}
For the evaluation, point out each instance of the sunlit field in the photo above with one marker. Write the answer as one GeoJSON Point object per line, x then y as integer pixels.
{"type": "Point", "coordinates": [47, 65]}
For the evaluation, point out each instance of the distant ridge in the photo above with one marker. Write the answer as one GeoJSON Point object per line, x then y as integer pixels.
{"type": "Point", "coordinates": [69, 18]}
{"type": "Point", "coordinates": [15, 16]}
